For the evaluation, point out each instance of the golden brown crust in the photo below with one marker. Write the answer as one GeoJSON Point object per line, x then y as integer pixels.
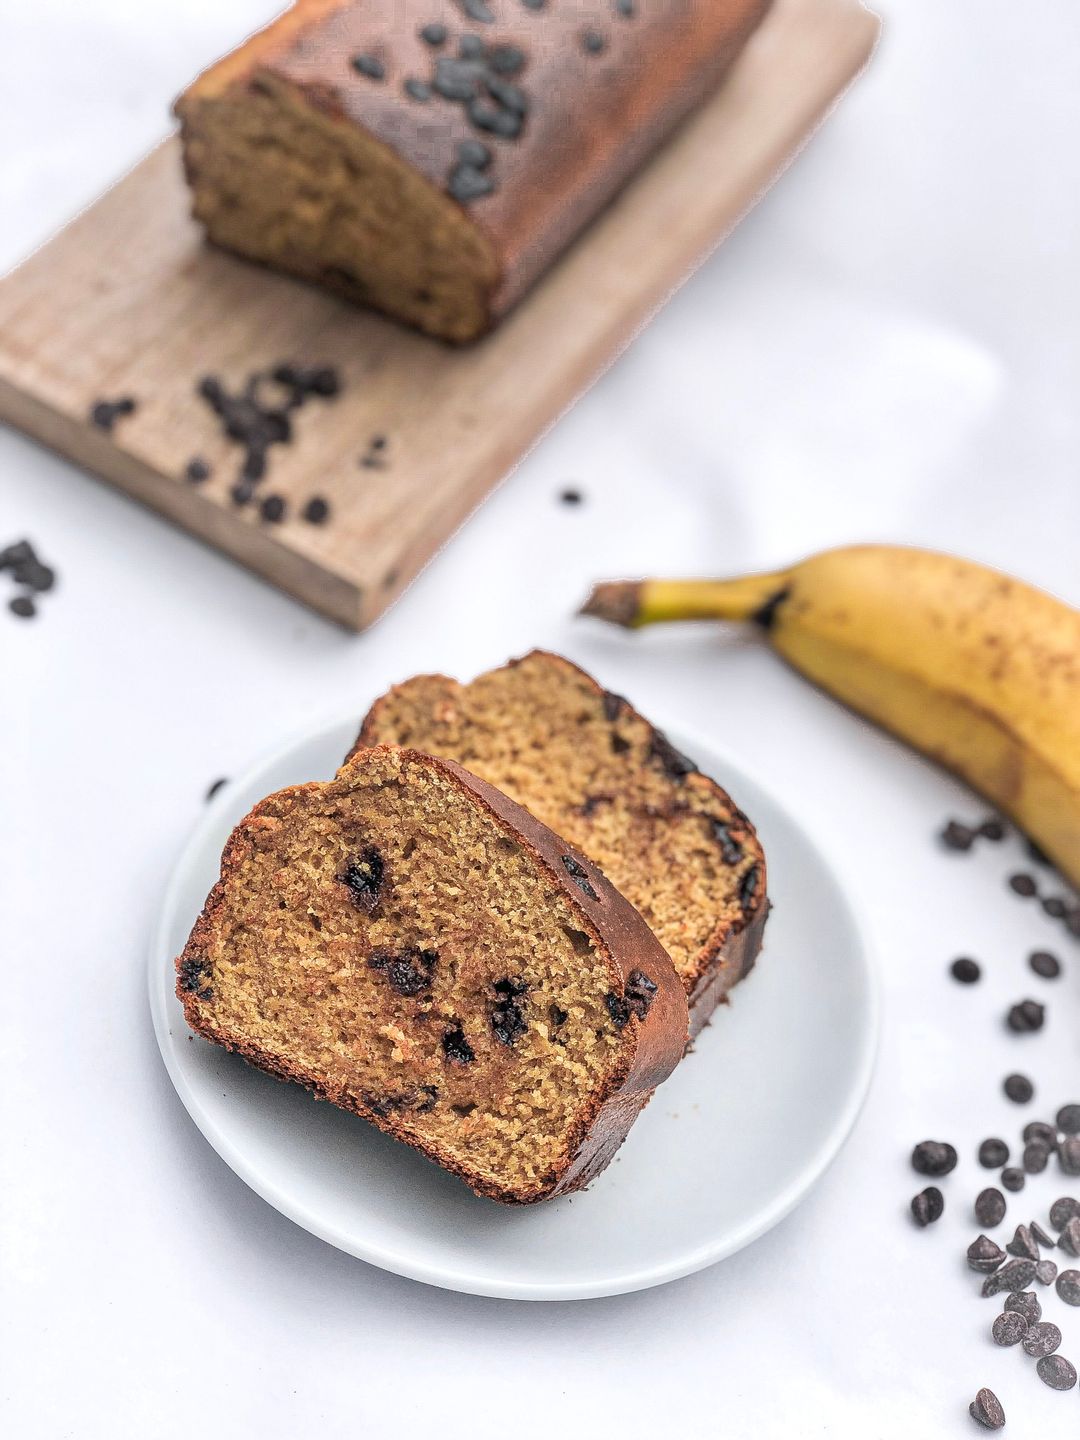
{"type": "Point", "coordinates": [593, 118]}
{"type": "Point", "coordinates": [654, 1044]}
{"type": "Point", "coordinates": [731, 950]}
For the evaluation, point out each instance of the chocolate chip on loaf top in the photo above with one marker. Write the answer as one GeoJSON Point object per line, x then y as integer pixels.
{"type": "Point", "coordinates": [585, 762]}
{"type": "Point", "coordinates": [412, 946]}
{"type": "Point", "coordinates": [432, 157]}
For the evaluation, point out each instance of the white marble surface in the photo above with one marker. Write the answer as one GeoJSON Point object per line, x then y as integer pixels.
{"type": "Point", "coordinates": [886, 349]}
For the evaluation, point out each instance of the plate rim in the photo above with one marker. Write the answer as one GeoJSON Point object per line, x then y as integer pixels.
{"type": "Point", "coordinates": [449, 1277]}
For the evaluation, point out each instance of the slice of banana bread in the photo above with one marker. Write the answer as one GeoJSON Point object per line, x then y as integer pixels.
{"type": "Point", "coordinates": [412, 946]}
{"type": "Point", "coordinates": [585, 762]}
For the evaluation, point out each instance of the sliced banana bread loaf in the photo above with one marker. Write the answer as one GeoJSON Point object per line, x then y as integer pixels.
{"type": "Point", "coordinates": [412, 946]}
{"type": "Point", "coordinates": [585, 762]}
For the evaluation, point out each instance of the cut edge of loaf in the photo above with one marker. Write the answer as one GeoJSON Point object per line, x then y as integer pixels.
{"type": "Point", "coordinates": [652, 1045]}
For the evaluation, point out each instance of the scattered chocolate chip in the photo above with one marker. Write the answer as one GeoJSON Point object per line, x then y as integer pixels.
{"type": "Point", "coordinates": [1026, 1017]}
{"type": "Point", "coordinates": [508, 1021]}
{"type": "Point", "coordinates": [495, 119]}
{"type": "Point", "coordinates": [1023, 1244]}
{"type": "Point", "coordinates": [1069, 1239]}
{"type": "Point", "coordinates": [466, 184]}
{"type": "Point", "coordinates": [1056, 1371]}
{"type": "Point", "coordinates": [1068, 1119]}
{"type": "Point", "coordinates": [1019, 1089]}
{"type": "Point", "coordinates": [927, 1206]}
{"type": "Point", "coordinates": [506, 59]}
{"type": "Point", "coordinates": [748, 886]}
{"type": "Point", "coordinates": [1025, 1303]}
{"type": "Point", "coordinates": [22, 606]}
{"type": "Point", "coordinates": [272, 509]}
{"type": "Point", "coordinates": [17, 554]}
{"type": "Point", "coordinates": [1035, 1158]}
{"type": "Point", "coordinates": [196, 471]}
{"type": "Point", "coordinates": [593, 42]}
{"type": "Point", "coordinates": [570, 497]}
{"type": "Point", "coordinates": [1041, 1132]}
{"type": "Point", "coordinates": [933, 1157]}
{"type": "Point", "coordinates": [434, 34]}
{"type": "Point", "coordinates": [1045, 965]}
{"type": "Point", "coordinates": [956, 836]}
{"type": "Point", "coordinates": [364, 878]}
{"type": "Point", "coordinates": [456, 1048]}
{"type": "Point", "coordinates": [369, 66]}
{"type": "Point", "coordinates": [1023, 884]}
{"type": "Point", "coordinates": [409, 972]}
{"type": "Point", "coordinates": [992, 830]}
{"type": "Point", "coordinates": [984, 1255]}
{"type": "Point", "coordinates": [986, 1409]}
{"type": "Point", "coordinates": [990, 1207]}
{"type": "Point", "coordinates": [731, 852]}
{"type": "Point", "coordinates": [672, 761]}
{"type": "Point", "coordinates": [1045, 1271]}
{"type": "Point", "coordinates": [194, 976]}
{"type": "Point", "coordinates": [1042, 1237]}
{"type": "Point", "coordinates": [242, 493]}
{"type": "Point", "coordinates": [614, 705]}
{"type": "Point", "coordinates": [1042, 1338]}
{"type": "Point", "coordinates": [1016, 1275]}
{"type": "Point", "coordinates": [316, 511]}
{"type": "Point", "coordinates": [1054, 906]}
{"type": "Point", "coordinates": [1068, 1286]}
{"type": "Point", "coordinates": [1012, 1178]}
{"type": "Point", "coordinates": [1063, 1210]}
{"type": "Point", "coordinates": [965, 970]}
{"type": "Point", "coordinates": [105, 413]}
{"type": "Point", "coordinates": [477, 155]}
{"type": "Point", "coordinates": [993, 1154]}
{"type": "Point", "coordinates": [417, 89]}
{"type": "Point", "coordinates": [1069, 1155]}
{"type": "Point", "coordinates": [618, 1009]}
{"type": "Point", "coordinates": [580, 876]}
{"type": "Point", "coordinates": [477, 10]}
{"type": "Point", "coordinates": [640, 992]}
{"type": "Point", "coordinates": [215, 787]}
{"type": "Point", "coordinates": [1009, 1328]}
{"type": "Point", "coordinates": [625, 8]}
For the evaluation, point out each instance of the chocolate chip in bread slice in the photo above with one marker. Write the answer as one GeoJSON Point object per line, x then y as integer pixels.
{"type": "Point", "coordinates": [413, 947]}
{"type": "Point", "coordinates": [586, 763]}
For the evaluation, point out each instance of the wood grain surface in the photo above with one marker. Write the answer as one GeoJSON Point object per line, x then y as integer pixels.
{"type": "Point", "coordinates": [127, 300]}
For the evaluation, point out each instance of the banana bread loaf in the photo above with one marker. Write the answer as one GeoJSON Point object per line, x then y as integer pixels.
{"type": "Point", "coordinates": [412, 946]}
{"type": "Point", "coordinates": [432, 157]}
{"type": "Point", "coordinates": [585, 762]}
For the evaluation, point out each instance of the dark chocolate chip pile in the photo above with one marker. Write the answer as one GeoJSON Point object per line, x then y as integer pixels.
{"type": "Point", "coordinates": [20, 561]}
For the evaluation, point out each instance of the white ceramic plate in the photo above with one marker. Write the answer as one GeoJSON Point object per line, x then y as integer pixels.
{"type": "Point", "coordinates": [794, 1049]}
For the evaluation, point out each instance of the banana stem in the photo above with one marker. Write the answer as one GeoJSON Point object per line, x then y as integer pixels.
{"type": "Point", "coordinates": [635, 603]}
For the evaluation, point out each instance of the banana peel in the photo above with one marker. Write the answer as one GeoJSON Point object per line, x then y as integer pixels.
{"type": "Point", "coordinates": [973, 667]}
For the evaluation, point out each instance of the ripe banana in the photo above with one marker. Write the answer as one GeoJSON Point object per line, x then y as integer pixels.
{"type": "Point", "coordinates": [976, 669]}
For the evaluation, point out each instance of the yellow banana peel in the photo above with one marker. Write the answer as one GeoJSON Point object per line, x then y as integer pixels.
{"type": "Point", "coordinates": [976, 669]}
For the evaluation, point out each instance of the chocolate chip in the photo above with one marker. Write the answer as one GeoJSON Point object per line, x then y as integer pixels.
{"type": "Point", "coordinates": [196, 471]}
{"type": "Point", "coordinates": [1054, 906]}
{"type": "Point", "coordinates": [927, 1206]}
{"type": "Point", "coordinates": [194, 976]}
{"type": "Point", "coordinates": [614, 705]}
{"type": "Point", "coordinates": [1063, 1210]}
{"type": "Point", "coordinates": [1069, 1155]}
{"type": "Point", "coordinates": [316, 511]}
{"type": "Point", "coordinates": [1023, 884]}
{"type": "Point", "coordinates": [508, 95]}
{"type": "Point", "coordinates": [455, 79]}
{"type": "Point", "coordinates": [1009, 1328]}
{"type": "Point", "coordinates": [625, 8]}
{"type": "Point", "coordinates": [1044, 964]}
{"type": "Point", "coordinates": [477, 10]}
{"type": "Point", "coordinates": [456, 1048]}
{"type": "Point", "coordinates": [1012, 1178]}
{"type": "Point", "coordinates": [990, 1207]}
{"type": "Point", "coordinates": [1068, 1119]}
{"type": "Point", "coordinates": [1041, 1339]}
{"type": "Point", "coordinates": [417, 89]}
{"type": "Point", "coordinates": [434, 34]}
{"type": "Point", "coordinates": [475, 154]}
{"type": "Point", "coordinates": [22, 606]}
{"type": "Point", "coordinates": [369, 66]}
{"type": "Point", "coordinates": [1035, 1158]}
{"type": "Point", "coordinates": [409, 972]}
{"type": "Point", "coordinates": [495, 119]}
{"type": "Point", "coordinates": [19, 553]}
{"type": "Point", "coordinates": [1042, 1237]}
{"type": "Point", "coordinates": [508, 1021]}
{"type": "Point", "coordinates": [364, 878]}
{"type": "Point", "coordinates": [580, 876]}
{"type": "Point", "coordinates": [984, 1255]}
{"type": "Point", "coordinates": [1041, 1132]}
{"type": "Point", "coordinates": [215, 787]}
{"type": "Point", "coordinates": [1026, 1017]}
{"type": "Point", "coordinates": [1068, 1286]}
{"type": "Point", "coordinates": [1019, 1089]}
{"type": "Point", "coordinates": [993, 1154]}
{"type": "Point", "coordinates": [570, 497]}
{"type": "Point", "coordinates": [1016, 1275]}
{"type": "Point", "coordinates": [675, 764]}
{"type": "Point", "coordinates": [466, 184]}
{"type": "Point", "coordinates": [1056, 1371]}
{"type": "Point", "coordinates": [506, 59]}
{"type": "Point", "coordinates": [618, 1009]}
{"type": "Point", "coordinates": [965, 970]}
{"type": "Point", "coordinates": [1025, 1303]}
{"type": "Point", "coordinates": [593, 42]}
{"type": "Point", "coordinates": [272, 509]}
{"type": "Point", "coordinates": [1045, 1271]}
{"type": "Point", "coordinates": [640, 992]}
{"type": "Point", "coordinates": [731, 852]}
{"type": "Point", "coordinates": [957, 837]}
{"type": "Point", "coordinates": [992, 830]}
{"type": "Point", "coordinates": [748, 885]}
{"type": "Point", "coordinates": [1069, 1239]}
{"type": "Point", "coordinates": [933, 1157]}
{"type": "Point", "coordinates": [986, 1409]}
{"type": "Point", "coordinates": [105, 413]}
{"type": "Point", "coordinates": [1023, 1244]}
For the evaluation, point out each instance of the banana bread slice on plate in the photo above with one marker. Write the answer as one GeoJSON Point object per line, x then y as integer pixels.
{"type": "Point", "coordinates": [413, 947]}
{"type": "Point", "coordinates": [585, 763]}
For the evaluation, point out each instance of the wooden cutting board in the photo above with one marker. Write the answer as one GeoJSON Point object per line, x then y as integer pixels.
{"type": "Point", "coordinates": [128, 301]}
